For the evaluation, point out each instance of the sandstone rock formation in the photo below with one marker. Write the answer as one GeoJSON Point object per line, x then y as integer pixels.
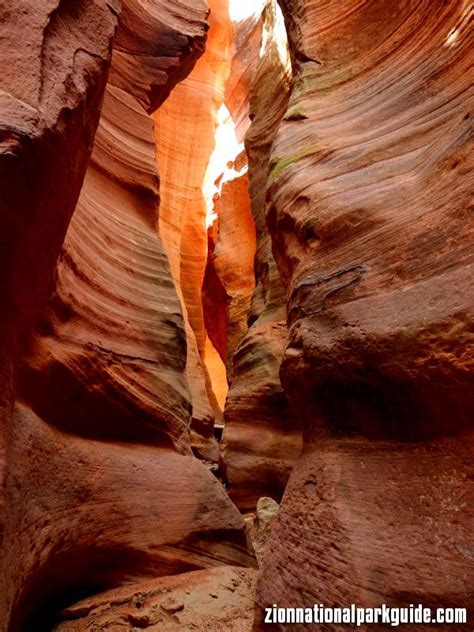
{"type": "Point", "coordinates": [101, 425]}
{"type": "Point", "coordinates": [185, 141]}
{"type": "Point", "coordinates": [190, 160]}
{"type": "Point", "coordinates": [231, 264]}
{"type": "Point", "coordinates": [217, 600]}
{"type": "Point", "coordinates": [260, 524]}
{"type": "Point", "coordinates": [312, 292]}
{"type": "Point", "coordinates": [50, 101]}
{"type": "Point", "coordinates": [246, 44]}
{"type": "Point", "coordinates": [262, 437]}
{"type": "Point", "coordinates": [368, 210]}
{"type": "Point", "coordinates": [112, 342]}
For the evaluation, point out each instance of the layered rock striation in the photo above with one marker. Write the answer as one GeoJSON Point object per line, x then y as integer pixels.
{"type": "Point", "coordinates": [50, 103]}
{"type": "Point", "coordinates": [185, 132]}
{"type": "Point", "coordinates": [262, 437]}
{"type": "Point", "coordinates": [312, 291]}
{"type": "Point", "coordinates": [101, 489]}
{"type": "Point", "coordinates": [367, 205]}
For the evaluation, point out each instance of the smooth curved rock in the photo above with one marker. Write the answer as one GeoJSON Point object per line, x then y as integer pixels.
{"type": "Point", "coordinates": [357, 347]}
{"type": "Point", "coordinates": [232, 259]}
{"type": "Point", "coordinates": [50, 98]}
{"type": "Point", "coordinates": [247, 36]}
{"type": "Point", "coordinates": [368, 211]}
{"type": "Point", "coordinates": [95, 515]}
{"type": "Point", "coordinates": [104, 412]}
{"type": "Point", "coordinates": [113, 277]}
{"type": "Point", "coordinates": [185, 136]}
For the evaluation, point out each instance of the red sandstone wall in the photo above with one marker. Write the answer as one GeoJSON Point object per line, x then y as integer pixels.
{"type": "Point", "coordinates": [112, 370]}
{"type": "Point", "coordinates": [367, 206]}
{"type": "Point", "coordinates": [101, 490]}
{"type": "Point", "coordinates": [262, 437]}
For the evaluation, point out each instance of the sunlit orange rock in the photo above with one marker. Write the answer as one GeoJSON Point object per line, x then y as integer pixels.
{"type": "Point", "coordinates": [246, 42]}
{"type": "Point", "coordinates": [185, 136]}
{"type": "Point", "coordinates": [262, 437]}
{"type": "Point", "coordinates": [232, 260]}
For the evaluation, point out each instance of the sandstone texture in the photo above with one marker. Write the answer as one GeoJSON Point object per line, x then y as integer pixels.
{"type": "Point", "coordinates": [110, 355]}
{"type": "Point", "coordinates": [185, 141]}
{"type": "Point", "coordinates": [368, 209]}
{"type": "Point", "coordinates": [201, 601]}
{"type": "Point", "coordinates": [262, 437]}
{"type": "Point", "coordinates": [230, 266]}
{"type": "Point", "coordinates": [101, 489]}
{"type": "Point", "coordinates": [50, 98]}
{"type": "Point", "coordinates": [96, 515]}
{"type": "Point", "coordinates": [236, 350]}
{"type": "Point", "coordinates": [246, 44]}
{"type": "Point", "coordinates": [260, 524]}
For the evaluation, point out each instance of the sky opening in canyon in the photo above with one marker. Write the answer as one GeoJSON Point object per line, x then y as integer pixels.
{"type": "Point", "coordinates": [240, 10]}
{"type": "Point", "coordinates": [221, 163]}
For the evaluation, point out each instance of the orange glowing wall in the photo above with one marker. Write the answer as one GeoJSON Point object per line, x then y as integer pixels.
{"type": "Point", "coordinates": [185, 128]}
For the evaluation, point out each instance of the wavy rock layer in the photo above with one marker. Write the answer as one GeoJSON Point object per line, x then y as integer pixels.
{"type": "Point", "coordinates": [261, 437]}
{"type": "Point", "coordinates": [246, 42]}
{"type": "Point", "coordinates": [105, 409]}
{"type": "Point", "coordinates": [114, 342]}
{"type": "Point", "coordinates": [49, 109]}
{"type": "Point", "coordinates": [231, 260]}
{"type": "Point", "coordinates": [368, 211]}
{"type": "Point", "coordinates": [185, 134]}
{"type": "Point", "coordinates": [96, 515]}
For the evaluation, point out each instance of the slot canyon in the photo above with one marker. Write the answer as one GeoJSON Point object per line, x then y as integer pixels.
{"type": "Point", "coordinates": [236, 344]}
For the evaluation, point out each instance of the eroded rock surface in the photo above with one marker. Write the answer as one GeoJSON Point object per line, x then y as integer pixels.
{"type": "Point", "coordinates": [98, 450]}
{"type": "Point", "coordinates": [262, 437]}
{"type": "Point", "coordinates": [50, 98]}
{"type": "Point", "coordinates": [113, 342]}
{"type": "Point", "coordinates": [114, 367]}
{"type": "Point", "coordinates": [260, 524]}
{"type": "Point", "coordinates": [185, 133]}
{"type": "Point", "coordinates": [203, 601]}
{"type": "Point", "coordinates": [368, 210]}
{"type": "Point", "coordinates": [231, 260]}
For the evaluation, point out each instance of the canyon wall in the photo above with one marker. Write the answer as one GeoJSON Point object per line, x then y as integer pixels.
{"type": "Point", "coordinates": [101, 488]}
{"type": "Point", "coordinates": [310, 292]}
{"type": "Point", "coordinates": [196, 138]}
{"type": "Point", "coordinates": [368, 209]}
{"type": "Point", "coordinates": [262, 437]}
{"type": "Point", "coordinates": [185, 132]}
{"type": "Point", "coordinates": [50, 103]}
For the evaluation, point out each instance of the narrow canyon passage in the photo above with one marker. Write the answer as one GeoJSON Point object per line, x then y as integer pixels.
{"type": "Point", "coordinates": [235, 331]}
{"type": "Point", "coordinates": [200, 228]}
